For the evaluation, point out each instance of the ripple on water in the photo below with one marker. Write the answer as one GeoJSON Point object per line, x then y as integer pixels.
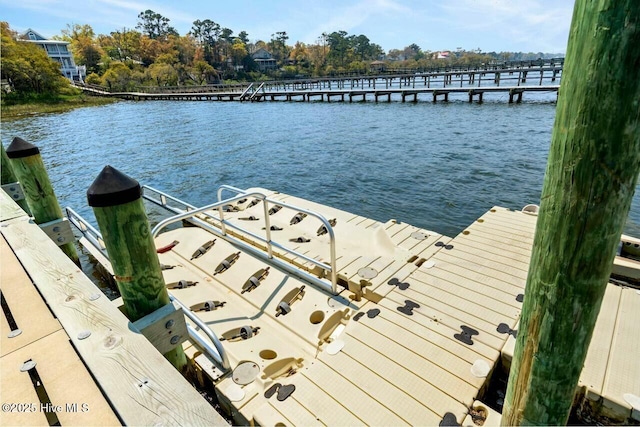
{"type": "Point", "coordinates": [437, 166]}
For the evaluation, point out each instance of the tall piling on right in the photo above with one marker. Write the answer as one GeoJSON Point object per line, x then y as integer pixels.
{"type": "Point", "coordinates": [590, 180]}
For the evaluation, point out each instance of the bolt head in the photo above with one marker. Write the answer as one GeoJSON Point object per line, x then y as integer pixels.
{"type": "Point", "coordinates": [169, 324]}
{"type": "Point", "coordinates": [175, 339]}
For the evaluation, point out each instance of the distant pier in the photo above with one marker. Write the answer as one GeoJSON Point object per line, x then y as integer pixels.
{"type": "Point", "coordinates": [514, 81]}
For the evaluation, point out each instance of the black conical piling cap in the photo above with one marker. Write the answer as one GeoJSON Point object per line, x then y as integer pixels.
{"type": "Point", "coordinates": [112, 188]}
{"type": "Point", "coordinates": [20, 148]}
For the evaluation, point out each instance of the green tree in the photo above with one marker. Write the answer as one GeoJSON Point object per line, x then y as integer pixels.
{"type": "Point", "coordinates": [27, 67]}
{"type": "Point", "coordinates": [163, 74]}
{"type": "Point", "coordinates": [86, 51]}
{"type": "Point", "coordinates": [202, 72]}
{"type": "Point", "coordinates": [278, 46]}
{"type": "Point", "coordinates": [244, 37]}
{"type": "Point", "coordinates": [154, 25]}
{"type": "Point", "coordinates": [118, 77]}
{"type": "Point", "coordinates": [121, 45]}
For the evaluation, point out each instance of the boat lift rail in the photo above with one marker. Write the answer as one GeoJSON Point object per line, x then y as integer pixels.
{"type": "Point", "coordinates": [188, 212]}
{"type": "Point", "coordinates": [217, 352]}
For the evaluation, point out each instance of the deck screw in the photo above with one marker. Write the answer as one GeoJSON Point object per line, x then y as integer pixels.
{"type": "Point", "coordinates": [14, 333]}
{"type": "Point", "coordinates": [27, 366]}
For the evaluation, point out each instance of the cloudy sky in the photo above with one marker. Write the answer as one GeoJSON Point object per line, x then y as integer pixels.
{"type": "Point", "coordinates": [491, 25]}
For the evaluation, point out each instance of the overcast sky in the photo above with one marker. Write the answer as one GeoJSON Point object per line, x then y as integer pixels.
{"type": "Point", "coordinates": [491, 25]}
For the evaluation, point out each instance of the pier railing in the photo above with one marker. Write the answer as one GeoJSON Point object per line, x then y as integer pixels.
{"type": "Point", "coordinates": [185, 211]}
{"type": "Point", "coordinates": [217, 352]}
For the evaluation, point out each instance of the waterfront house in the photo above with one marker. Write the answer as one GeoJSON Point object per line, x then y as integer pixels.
{"type": "Point", "coordinates": [264, 60]}
{"type": "Point", "coordinates": [59, 51]}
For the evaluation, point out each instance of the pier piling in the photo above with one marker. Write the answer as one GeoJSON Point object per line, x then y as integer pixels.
{"type": "Point", "coordinates": [26, 163]}
{"type": "Point", "coordinates": [591, 176]}
{"type": "Point", "coordinates": [119, 210]}
{"type": "Point", "coordinates": [9, 177]}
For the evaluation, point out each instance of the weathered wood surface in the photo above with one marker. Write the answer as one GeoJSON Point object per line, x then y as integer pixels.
{"type": "Point", "coordinates": [142, 387]}
{"type": "Point", "coordinates": [8, 177]}
{"type": "Point", "coordinates": [132, 253]}
{"type": "Point", "coordinates": [37, 188]}
{"type": "Point", "coordinates": [591, 176]}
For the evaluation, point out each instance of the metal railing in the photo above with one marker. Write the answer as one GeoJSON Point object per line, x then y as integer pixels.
{"type": "Point", "coordinates": [189, 213]}
{"type": "Point", "coordinates": [217, 352]}
{"type": "Point", "coordinates": [87, 230]}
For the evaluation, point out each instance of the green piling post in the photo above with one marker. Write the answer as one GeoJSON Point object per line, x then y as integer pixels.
{"type": "Point", "coordinates": [117, 204]}
{"type": "Point", "coordinates": [8, 177]}
{"type": "Point", "coordinates": [591, 176]}
{"type": "Point", "coordinates": [28, 167]}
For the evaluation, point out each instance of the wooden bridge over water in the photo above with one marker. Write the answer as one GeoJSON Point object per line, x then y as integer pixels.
{"type": "Point", "coordinates": [402, 87]}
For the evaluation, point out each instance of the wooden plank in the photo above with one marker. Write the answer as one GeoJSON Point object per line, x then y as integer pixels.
{"type": "Point", "coordinates": [623, 370]}
{"type": "Point", "coordinates": [439, 333]}
{"type": "Point", "coordinates": [496, 269]}
{"type": "Point", "coordinates": [521, 232]}
{"type": "Point", "coordinates": [479, 273]}
{"type": "Point", "coordinates": [480, 295]}
{"type": "Point", "coordinates": [438, 402]}
{"type": "Point", "coordinates": [415, 353]}
{"type": "Point", "coordinates": [480, 236]}
{"type": "Point", "coordinates": [328, 407]}
{"type": "Point", "coordinates": [492, 250]}
{"type": "Point", "coordinates": [454, 317]}
{"type": "Point", "coordinates": [64, 378]}
{"type": "Point", "coordinates": [8, 208]}
{"type": "Point", "coordinates": [116, 356]}
{"type": "Point", "coordinates": [430, 294]}
{"type": "Point", "coordinates": [27, 308]}
{"type": "Point", "coordinates": [383, 389]}
{"type": "Point", "coordinates": [499, 233]}
{"type": "Point", "coordinates": [595, 365]}
{"type": "Point", "coordinates": [501, 291]}
{"type": "Point", "coordinates": [359, 403]}
{"type": "Point", "coordinates": [517, 268]}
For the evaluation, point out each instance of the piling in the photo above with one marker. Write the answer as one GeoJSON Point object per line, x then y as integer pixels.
{"type": "Point", "coordinates": [9, 177]}
{"type": "Point", "coordinates": [591, 176]}
{"type": "Point", "coordinates": [117, 204]}
{"type": "Point", "coordinates": [26, 163]}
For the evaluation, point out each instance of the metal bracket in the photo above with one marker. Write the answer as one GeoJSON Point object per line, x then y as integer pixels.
{"type": "Point", "coordinates": [165, 328]}
{"type": "Point", "coordinates": [58, 230]}
{"type": "Point", "coordinates": [14, 190]}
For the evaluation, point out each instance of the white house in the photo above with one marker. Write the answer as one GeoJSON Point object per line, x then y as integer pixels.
{"type": "Point", "coordinates": [58, 50]}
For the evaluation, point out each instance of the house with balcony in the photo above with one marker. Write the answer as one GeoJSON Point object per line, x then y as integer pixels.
{"type": "Point", "coordinates": [264, 60]}
{"type": "Point", "coordinates": [59, 51]}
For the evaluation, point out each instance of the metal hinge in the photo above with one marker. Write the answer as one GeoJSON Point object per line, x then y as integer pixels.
{"type": "Point", "coordinates": [58, 230]}
{"type": "Point", "coordinates": [14, 190]}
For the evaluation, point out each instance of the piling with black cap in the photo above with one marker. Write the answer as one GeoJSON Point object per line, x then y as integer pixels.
{"type": "Point", "coordinates": [8, 177]}
{"type": "Point", "coordinates": [29, 170]}
{"type": "Point", "coordinates": [117, 204]}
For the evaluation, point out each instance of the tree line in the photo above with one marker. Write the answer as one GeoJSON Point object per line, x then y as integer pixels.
{"type": "Point", "coordinates": [154, 54]}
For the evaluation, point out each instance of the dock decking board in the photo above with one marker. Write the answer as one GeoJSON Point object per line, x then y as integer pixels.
{"type": "Point", "coordinates": [117, 357]}
{"type": "Point", "coordinates": [474, 282]}
{"type": "Point", "coordinates": [27, 308]}
{"type": "Point", "coordinates": [64, 378]}
{"type": "Point", "coordinates": [400, 344]}
{"type": "Point", "coordinates": [623, 369]}
{"type": "Point", "coordinates": [438, 333]}
{"type": "Point", "coordinates": [595, 365]}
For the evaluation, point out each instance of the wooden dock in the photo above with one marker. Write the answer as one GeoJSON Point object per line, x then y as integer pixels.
{"type": "Point", "coordinates": [438, 85]}
{"type": "Point", "coordinates": [437, 319]}
{"type": "Point", "coordinates": [76, 360]}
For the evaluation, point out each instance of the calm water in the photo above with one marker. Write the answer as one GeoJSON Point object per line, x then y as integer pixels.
{"type": "Point", "coordinates": [437, 166]}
